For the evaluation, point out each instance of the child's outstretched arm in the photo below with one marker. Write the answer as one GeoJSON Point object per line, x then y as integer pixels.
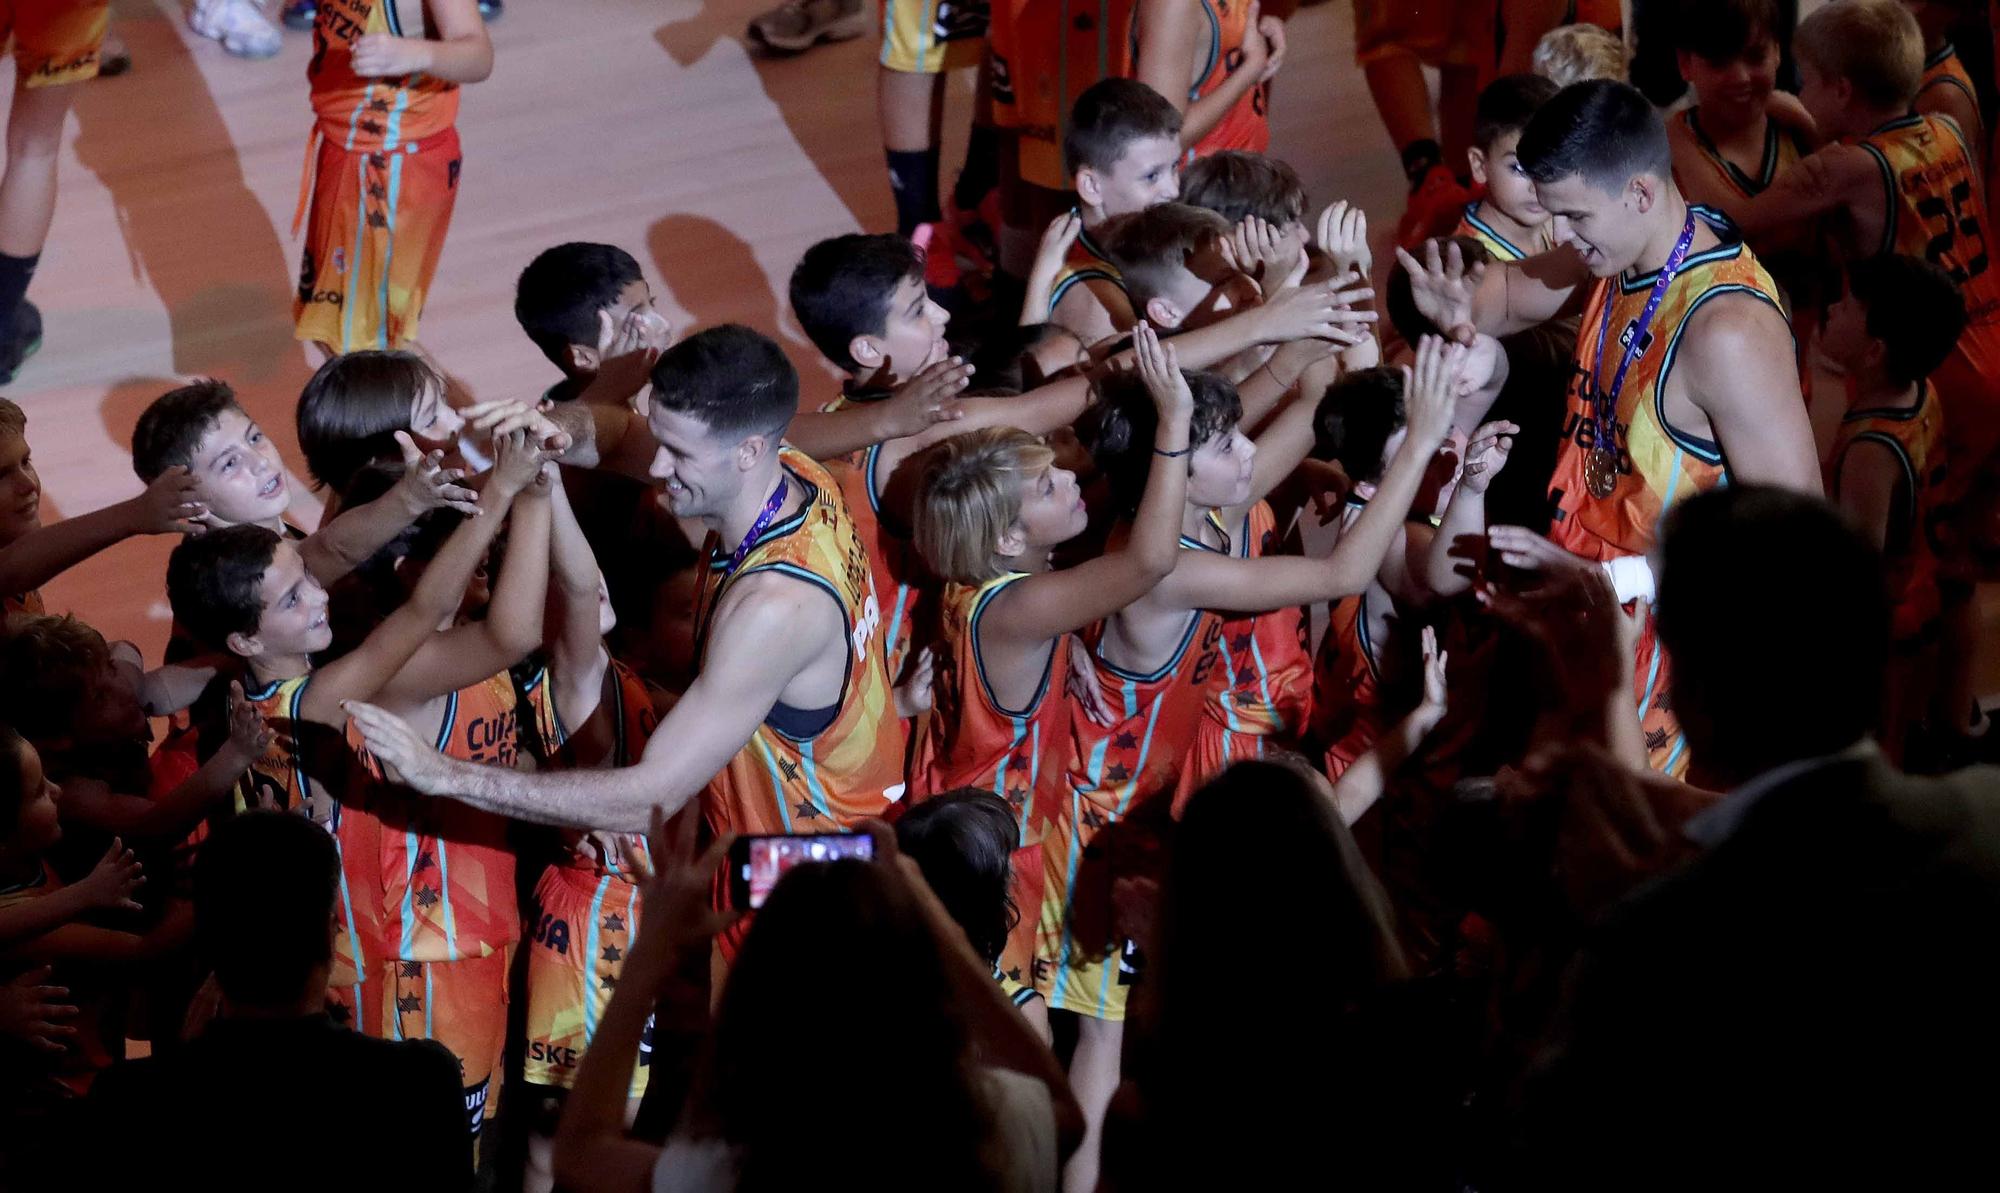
{"type": "Point", "coordinates": [460, 53]}
{"type": "Point", "coordinates": [1363, 783]}
{"type": "Point", "coordinates": [168, 506]}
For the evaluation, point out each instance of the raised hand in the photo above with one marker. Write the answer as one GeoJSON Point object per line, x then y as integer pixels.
{"type": "Point", "coordinates": [1519, 547]}
{"type": "Point", "coordinates": [677, 915]}
{"type": "Point", "coordinates": [1486, 455]}
{"type": "Point", "coordinates": [391, 740]}
{"type": "Point", "coordinates": [428, 485]}
{"type": "Point", "coordinates": [1160, 369]}
{"type": "Point", "coordinates": [1340, 310]}
{"type": "Point", "coordinates": [1430, 390]}
{"type": "Point", "coordinates": [34, 1013]}
{"type": "Point", "coordinates": [929, 398]}
{"type": "Point", "coordinates": [1085, 687]}
{"type": "Point", "coordinates": [1432, 708]}
{"type": "Point", "coordinates": [504, 417]}
{"type": "Point", "coordinates": [625, 368]}
{"type": "Point", "coordinates": [517, 462]}
{"type": "Point", "coordinates": [1265, 252]}
{"type": "Point", "coordinates": [386, 56]}
{"type": "Point", "coordinates": [249, 735]}
{"type": "Point", "coordinates": [1343, 237]}
{"type": "Point", "coordinates": [1443, 288]}
{"type": "Point", "coordinates": [913, 694]}
{"type": "Point", "coordinates": [1056, 241]}
{"type": "Point", "coordinates": [168, 506]}
{"type": "Point", "coordinates": [114, 878]}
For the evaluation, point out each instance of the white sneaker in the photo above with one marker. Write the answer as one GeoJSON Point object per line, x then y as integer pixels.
{"type": "Point", "coordinates": [240, 25]}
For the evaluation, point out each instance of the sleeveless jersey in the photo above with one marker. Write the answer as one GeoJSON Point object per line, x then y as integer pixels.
{"type": "Point", "coordinates": [1935, 211]}
{"type": "Point", "coordinates": [1247, 125]}
{"type": "Point", "coordinates": [971, 739]}
{"type": "Point", "coordinates": [853, 768]}
{"type": "Point", "coordinates": [1347, 687]}
{"type": "Point", "coordinates": [898, 572]}
{"type": "Point", "coordinates": [1261, 689]}
{"type": "Point", "coordinates": [371, 115]}
{"type": "Point", "coordinates": [1502, 249]}
{"type": "Point", "coordinates": [1045, 53]}
{"type": "Point", "coordinates": [1782, 151]}
{"type": "Point", "coordinates": [1915, 437]}
{"type": "Point", "coordinates": [1086, 262]}
{"type": "Point", "coordinates": [444, 871]}
{"type": "Point", "coordinates": [29, 603]}
{"type": "Point", "coordinates": [629, 705]}
{"type": "Point", "coordinates": [1658, 463]}
{"type": "Point", "coordinates": [1945, 69]}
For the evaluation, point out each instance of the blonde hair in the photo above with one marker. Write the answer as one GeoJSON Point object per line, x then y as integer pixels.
{"type": "Point", "coordinates": [1873, 44]}
{"type": "Point", "coordinates": [1576, 53]}
{"type": "Point", "coordinates": [970, 495]}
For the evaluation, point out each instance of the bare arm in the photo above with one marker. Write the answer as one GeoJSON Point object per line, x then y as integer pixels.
{"type": "Point", "coordinates": [1829, 179]}
{"type": "Point", "coordinates": [363, 671]}
{"type": "Point", "coordinates": [1169, 36]}
{"type": "Point", "coordinates": [134, 817]}
{"type": "Point", "coordinates": [109, 884]}
{"type": "Point", "coordinates": [767, 631]}
{"type": "Point", "coordinates": [512, 628]}
{"type": "Point", "coordinates": [460, 53]}
{"type": "Point", "coordinates": [1741, 373]}
{"type": "Point", "coordinates": [168, 506]}
{"type": "Point", "coordinates": [1056, 602]}
{"type": "Point", "coordinates": [347, 541]}
{"type": "Point", "coordinates": [87, 942]}
{"type": "Point", "coordinates": [577, 658]}
{"type": "Point", "coordinates": [1049, 257]}
{"type": "Point", "coordinates": [1494, 298]}
{"type": "Point", "coordinates": [1865, 488]}
{"type": "Point", "coordinates": [1363, 783]}
{"type": "Point", "coordinates": [1446, 570]}
{"type": "Point", "coordinates": [601, 435]}
{"type": "Point", "coordinates": [924, 404]}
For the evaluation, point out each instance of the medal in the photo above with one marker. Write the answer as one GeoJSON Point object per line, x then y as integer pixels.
{"type": "Point", "coordinates": [1600, 472]}
{"type": "Point", "coordinates": [1601, 463]}
{"type": "Point", "coordinates": [757, 528]}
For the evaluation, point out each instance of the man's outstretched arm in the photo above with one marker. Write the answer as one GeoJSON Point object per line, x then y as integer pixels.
{"type": "Point", "coordinates": [756, 649]}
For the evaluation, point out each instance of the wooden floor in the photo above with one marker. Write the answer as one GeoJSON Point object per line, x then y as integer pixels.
{"type": "Point", "coordinates": [645, 123]}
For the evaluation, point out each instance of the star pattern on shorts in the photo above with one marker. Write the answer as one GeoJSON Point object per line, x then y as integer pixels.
{"type": "Point", "coordinates": [1240, 644]}
{"type": "Point", "coordinates": [424, 862]}
{"type": "Point", "coordinates": [608, 982]}
{"type": "Point", "coordinates": [805, 811]}
{"type": "Point", "coordinates": [1125, 741]}
{"type": "Point", "coordinates": [611, 953]}
{"type": "Point", "coordinates": [1014, 974]}
{"type": "Point", "coordinates": [1117, 772]}
{"type": "Point", "coordinates": [411, 969]}
{"type": "Point", "coordinates": [409, 1004]}
{"type": "Point", "coordinates": [614, 923]}
{"type": "Point", "coordinates": [1017, 796]}
{"type": "Point", "coordinates": [427, 898]}
{"type": "Point", "coordinates": [339, 1014]}
{"type": "Point", "coordinates": [1093, 818]}
{"type": "Point", "coordinates": [1656, 739]}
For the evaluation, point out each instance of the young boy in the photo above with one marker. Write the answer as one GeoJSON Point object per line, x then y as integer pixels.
{"type": "Point", "coordinates": [1507, 219]}
{"type": "Point", "coordinates": [1122, 153]}
{"type": "Point", "coordinates": [239, 479]}
{"type": "Point", "coordinates": [31, 554]}
{"type": "Point", "coordinates": [1946, 89]}
{"type": "Point", "coordinates": [427, 923]}
{"type": "Point", "coordinates": [589, 309]}
{"type": "Point", "coordinates": [1574, 53]}
{"type": "Point", "coordinates": [1727, 147]}
{"type": "Point", "coordinates": [1894, 326]}
{"type": "Point", "coordinates": [1214, 60]}
{"type": "Point", "coordinates": [1906, 182]}
{"type": "Point", "coordinates": [383, 164]}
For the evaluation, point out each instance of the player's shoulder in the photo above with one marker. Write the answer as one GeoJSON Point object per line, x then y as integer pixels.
{"type": "Point", "coordinates": [1737, 318]}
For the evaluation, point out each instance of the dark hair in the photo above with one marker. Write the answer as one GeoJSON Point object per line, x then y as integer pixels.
{"type": "Point", "coordinates": [350, 411]}
{"type": "Point", "coordinates": [826, 928]}
{"type": "Point", "coordinates": [1506, 105]}
{"type": "Point", "coordinates": [559, 294]}
{"type": "Point", "coordinates": [1356, 418]}
{"type": "Point", "coordinates": [1151, 246]}
{"type": "Point", "coordinates": [1400, 305]}
{"type": "Point", "coordinates": [1914, 308]}
{"type": "Point", "coordinates": [1235, 183]}
{"type": "Point", "coordinates": [13, 419]}
{"type": "Point", "coordinates": [843, 286]}
{"type": "Point", "coordinates": [171, 429]}
{"type": "Point", "coordinates": [213, 582]}
{"type": "Point", "coordinates": [1002, 360]}
{"type": "Point", "coordinates": [1110, 115]}
{"type": "Point", "coordinates": [1604, 130]}
{"type": "Point", "coordinates": [964, 842]}
{"type": "Point", "coordinates": [1318, 907]}
{"type": "Point", "coordinates": [735, 380]}
{"type": "Point", "coordinates": [1723, 30]}
{"type": "Point", "coordinates": [1761, 676]}
{"type": "Point", "coordinates": [376, 586]}
{"type": "Point", "coordinates": [1118, 430]}
{"type": "Point", "coordinates": [63, 656]}
{"type": "Point", "coordinates": [264, 891]}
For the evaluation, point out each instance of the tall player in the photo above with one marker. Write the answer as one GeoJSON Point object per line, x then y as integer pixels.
{"type": "Point", "coordinates": [383, 163]}
{"type": "Point", "coordinates": [55, 43]}
{"type": "Point", "coordinates": [1215, 62]}
{"type": "Point", "coordinates": [1908, 183]}
{"type": "Point", "coordinates": [789, 726]}
{"type": "Point", "coordinates": [1684, 373]}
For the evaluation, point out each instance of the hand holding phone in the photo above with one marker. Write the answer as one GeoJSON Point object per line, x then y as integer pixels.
{"type": "Point", "coordinates": [756, 863]}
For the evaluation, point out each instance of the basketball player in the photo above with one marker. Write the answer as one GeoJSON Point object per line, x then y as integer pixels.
{"type": "Point", "coordinates": [1214, 61]}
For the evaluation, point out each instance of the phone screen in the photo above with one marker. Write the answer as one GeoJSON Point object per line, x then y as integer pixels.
{"type": "Point", "coordinates": [759, 862]}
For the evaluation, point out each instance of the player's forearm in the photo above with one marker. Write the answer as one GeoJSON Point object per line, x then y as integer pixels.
{"type": "Point", "coordinates": [41, 555]}
{"type": "Point", "coordinates": [620, 800]}
{"type": "Point", "coordinates": [441, 588]}
{"type": "Point", "coordinates": [521, 597]}
{"type": "Point", "coordinates": [28, 918]}
{"type": "Point", "coordinates": [1205, 113]}
{"type": "Point", "coordinates": [180, 809]}
{"type": "Point", "coordinates": [1362, 784]}
{"type": "Point", "coordinates": [171, 687]}
{"type": "Point", "coordinates": [1154, 545]}
{"type": "Point", "coordinates": [346, 542]}
{"type": "Point", "coordinates": [467, 59]}
{"type": "Point", "coordinates": [1444, 574]}
{"type": "Point", "coordinates": [831, 434]}
{"type": "Point", "coordinates": [595, 431]}
{"type": "Point", "coordinates": [1358, 556]}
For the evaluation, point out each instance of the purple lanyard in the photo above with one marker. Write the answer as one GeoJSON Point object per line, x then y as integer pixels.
{"type": "Point", "coordinates": [757, 528]}
{"type": "Point", "coordinates": [1606, 403]}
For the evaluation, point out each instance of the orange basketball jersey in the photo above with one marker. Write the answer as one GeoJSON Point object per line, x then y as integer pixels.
{"type": "Point", "coordinates": [629, 705]}
{"type": "Point", "coordinates": [1086, 262]}
{"type": "Point", "coordinates": [1045, 54]}
{"type": "Point", "coordinates": [1247, 125]}
{"type": "Point", "coordinates": [1782, 151]}
{"type": "Point", "coordinates": [1471, 224]}
{"type": "Point", "coordinates": [362, 114]}
{"type": "Point", "coordinates": [893, 562]}
{"type": "Point", "coordinates": [1935, 211]}
{"type": "Point", "coordinates": [1915, 437]}
{"type": "Point", "coordinates": [1347, 687]}
{"type": "Point", "coordinates": [1261, 690]}
{"type": "Point", "coordinates": [852, 768]}
{"type": "Point", "coordinates": [1658, 463]}
{"type": "Point", "coordinates": [1946, 69]}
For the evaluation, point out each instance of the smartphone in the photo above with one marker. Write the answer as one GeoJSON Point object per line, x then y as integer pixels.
{"type": "Point", "coordinates": [757, 863]}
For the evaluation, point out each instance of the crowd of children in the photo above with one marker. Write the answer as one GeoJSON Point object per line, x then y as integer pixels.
{"type": "Point", "coordinates": [1161, 552]}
